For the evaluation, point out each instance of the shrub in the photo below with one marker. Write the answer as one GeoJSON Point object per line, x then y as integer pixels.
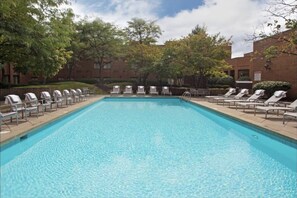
{"type": "Point", "coordinates": [221, 81]}
{"type": "Point", "coordinates": [271, 86]}
{"type": "Point", "coordinates": [244, 78]}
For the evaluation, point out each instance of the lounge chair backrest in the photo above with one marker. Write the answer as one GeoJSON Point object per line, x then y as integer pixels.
{"type": "Point", "coordinates": [73, 92]}
{"type": "Point", "coordinates": [165, 88]}
{"type": "Point", "coordinates": [116, 88]}
{"type": "Point", "coordinates": [66, 93]}
{"type": "Point", "coordinates": [45, 95]}
{"type": "Point", "coordinates": [230, 92]}
{"type": "Point", "coordinates": [79, 92]}
{"type": "Point", "coordinates": [30, 97]}
{"type": "Point", "coordinates": [275, 97]}
{"type": "Point", "coordinates": [242, 93]}
{"type": "Point", "coordinates": [280, 94]}
{"type": "Point", "coordinates": [13, 99]}
{"type": "Point", "coordinates": [293, 105]}
{"type": "Point", "coordinates": [140, 88]}
{"type": "Point", "coordinates": [57, 94]}
{"type": "Point", "coordinates": [128, 88]}
{"type": "Point", "coordinates": [153, 88]}
{"type": "Point", "coordinates": [258, 93]}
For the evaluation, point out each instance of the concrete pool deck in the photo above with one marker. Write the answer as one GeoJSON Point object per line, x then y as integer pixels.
{"type": "Point", "coordinates": [10, 130]}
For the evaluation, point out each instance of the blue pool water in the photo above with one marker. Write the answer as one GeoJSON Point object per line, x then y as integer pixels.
{"type": "Point", "coordinates": [148, 148]}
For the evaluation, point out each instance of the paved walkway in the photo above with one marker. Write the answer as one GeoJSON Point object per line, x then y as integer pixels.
{"type": "Point", "coordinates": [10, 130]}
{"type": "Point", "coordinates": [274, 123]}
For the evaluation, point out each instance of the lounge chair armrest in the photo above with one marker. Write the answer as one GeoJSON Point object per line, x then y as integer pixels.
{"type": "Point", "coordinates": [14, 106]}
{"type": "Point", "coordinates": [272, 103]}
{"type": "Point", "coordinates": [41, 101]}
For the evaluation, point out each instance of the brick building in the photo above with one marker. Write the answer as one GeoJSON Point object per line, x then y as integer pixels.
{"type": "Point", "coordinates": [253, 65]}
{"type": "Point", "coordinates": [87, 69]}
{"type": "Point", "coordinates": [281, 68]}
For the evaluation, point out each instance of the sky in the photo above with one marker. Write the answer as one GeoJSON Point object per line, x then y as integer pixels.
{"type": "Point", "coordinates": [235, 19]}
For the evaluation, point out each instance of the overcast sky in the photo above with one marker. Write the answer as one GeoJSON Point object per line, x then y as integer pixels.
{"type": "Point", "coordinates": [230, 18]}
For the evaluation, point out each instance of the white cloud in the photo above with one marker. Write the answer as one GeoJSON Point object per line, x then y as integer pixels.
{"type": "Point", "coordinates": [121, 12]}
{"type": "Point", "coordinates": [231, 18]}
{"type": "Point", "coordinates": [236, 18]}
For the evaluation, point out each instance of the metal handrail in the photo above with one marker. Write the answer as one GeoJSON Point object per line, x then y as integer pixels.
{"type": "Point", "coordinates": [186, 95]}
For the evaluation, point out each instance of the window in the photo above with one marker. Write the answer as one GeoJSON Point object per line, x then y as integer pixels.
{"type": "Point", "coordinates": [232, 74]}
{"type": "Point", "coordinates": [96, 65]}
{"type": "Point", "coordinates": [243, 72]}
{"type": "Point", "coordinates": [5, 79]}
{"type": "Point", "coordinates": [107, 66]}
{"type": "Point", "coordinates": [16, 79]}
{"type": "Point", "coordinates": [257, 75]}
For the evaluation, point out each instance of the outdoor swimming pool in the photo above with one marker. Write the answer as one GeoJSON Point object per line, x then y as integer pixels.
{"type": "Point", "coordinates": [137, 147]}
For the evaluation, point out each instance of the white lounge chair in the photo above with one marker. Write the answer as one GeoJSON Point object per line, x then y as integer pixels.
{"type": "Point", "coordinates": [8, 115]}
{"type": "Point", "coordinates": [253, 98]}
{"type": "Point", "coordinates": [165, 91]}
{"type": "Point", "coordinates": [153, 90]}
{"type": "Point", "coordinates": [17, 105]}
{"type": "Point", "coordinates": [58, 98]}
{"type": "Point", "coordinates": [226, 95]}
{"type": "Point", "coordinates": [80, 94]}
{"type": "Point", "coordinates": [270, 101]}
{"type": "Point", "coordinates": [74, 95]}
{"type": "Point", "coordinates": [47, 100]}
{"type": "Point", "coordinates": [67, 97]}
{"type": "Point", "coordinates": [86, 91]}
{"type": "Point", "coordinates": [140, 90]}
{"type": "Point", "coordinates": [115, 90]}
{"type": "Point", "coordinates": [290, 115]}
{"type": "Point", "coordinates": [128, 90]}
{"type": "Point", "coordinates": [32, 101]}
{"type": "Point", "coordinates": [290, 107]}
{"type": "Point", "coordinates": [242, 93]}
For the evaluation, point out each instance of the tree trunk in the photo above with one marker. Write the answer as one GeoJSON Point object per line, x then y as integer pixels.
{"type": "Point", "coordinates": [70, 68]}
{"type": "Point", "coordinates": [44, 80]}
{"type": "Point", "coordinates": [145, 76]}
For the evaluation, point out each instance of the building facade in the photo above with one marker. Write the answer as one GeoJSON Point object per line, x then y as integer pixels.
{"type": "Point", "coordinates": [283, 67]}
{"type": "Point", "coordinates": [252, 65]}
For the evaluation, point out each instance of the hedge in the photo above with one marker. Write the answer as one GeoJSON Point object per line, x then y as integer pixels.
{"type": "Point", "coordinates": [221, 82]}
{"type": "Point", "coordinates": [271, 86]}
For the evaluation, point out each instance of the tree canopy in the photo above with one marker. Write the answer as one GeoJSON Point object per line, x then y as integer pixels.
{"type": "Point", "coordinates": [103, 42]}
{"type": "Point", "coordinates": [143, 32]}
{"type": "Point", "coordinates": [283, 16]}
{"type": "Point", "coordinates": [142, 54]}
{"type": "Point", "coordinates": [34, 35]}
{"type": "Point", "coordinates": [198, 54]}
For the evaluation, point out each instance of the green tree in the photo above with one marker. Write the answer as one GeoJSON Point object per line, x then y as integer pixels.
{"type": "Point", "coordinates": [143, 32]}
{"type": "Point", "coordinates": [49, 49]}
{"type": "Point", "coordinates": [142, 55]}
{"type": "Point", "coordinates": [144, 60]}
{"type": "Point", "coordinates": [34, 35]}
{"type": "Point", "coordinates": [282, 16]}
{"type": "Point", "coordinates": [199, 55]}
{"type": "Point", "coordinates": [171, 65]}
{"type": "Point", "coordinates": [103, 42]}
{"type": "Point", "coordinates": [77, 47]}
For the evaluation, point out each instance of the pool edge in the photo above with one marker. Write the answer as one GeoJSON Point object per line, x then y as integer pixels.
{"type": "Point", "coordinates": [261, 128]}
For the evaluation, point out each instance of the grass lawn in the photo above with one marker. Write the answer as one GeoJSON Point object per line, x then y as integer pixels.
{"type": "Point", "coordinates": [67, 85]}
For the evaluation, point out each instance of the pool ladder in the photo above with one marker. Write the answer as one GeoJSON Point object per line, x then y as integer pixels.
{"type": "Point", "coordinates": [186, 95]}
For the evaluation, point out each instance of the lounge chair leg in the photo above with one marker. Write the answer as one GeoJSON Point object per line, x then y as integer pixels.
{"type": "Point", "coordinates": [266, 114]}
